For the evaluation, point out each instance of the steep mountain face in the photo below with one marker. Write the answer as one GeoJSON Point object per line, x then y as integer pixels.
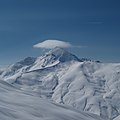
{"type": "Point", "coordinates": [19, 66]}
{"type": "Point", "coordinates": [2, 68]}
{"type": "Point", "coordinates": [62, 77]}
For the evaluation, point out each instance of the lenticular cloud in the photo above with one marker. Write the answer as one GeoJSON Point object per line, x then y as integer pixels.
{"type": "Point", "coordinates": [49, 44]}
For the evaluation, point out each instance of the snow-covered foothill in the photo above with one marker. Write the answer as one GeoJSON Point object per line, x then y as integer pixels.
{"type": "Point", "coordinates": [17, 104]}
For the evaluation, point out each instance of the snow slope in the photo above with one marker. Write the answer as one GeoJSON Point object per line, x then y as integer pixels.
{"type": "Point", "coordinates": [20, 105]}
{"type": "Point", "coordinates": [117, 118]}
{"type": "Point", "coordinates": [91, 87]}
{"type": "Point", "coordinates": [62, 77]}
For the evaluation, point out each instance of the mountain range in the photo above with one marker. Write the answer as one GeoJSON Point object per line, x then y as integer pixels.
{"type": "Point", "coordinates": [82, 85]}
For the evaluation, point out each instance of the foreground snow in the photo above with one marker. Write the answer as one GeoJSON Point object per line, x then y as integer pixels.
{"type": "Point", "coordinates": [19, 105]}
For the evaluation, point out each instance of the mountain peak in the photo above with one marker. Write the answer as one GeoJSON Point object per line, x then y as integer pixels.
{"type": "Point", "coordinates": [52, 58]}
{"type": "Point", "coordinates": [61, 54]}
{"type": "Point", "coordinates": [57, 51]}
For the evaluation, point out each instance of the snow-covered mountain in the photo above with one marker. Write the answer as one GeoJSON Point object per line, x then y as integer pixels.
{"type": "Point", "coordinates": [16, 104]}
{"type": "Point", "coordinates": [62, 77]}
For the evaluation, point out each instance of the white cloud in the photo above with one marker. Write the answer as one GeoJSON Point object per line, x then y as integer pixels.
{"type": "Point", "coordinates": [49, 44]}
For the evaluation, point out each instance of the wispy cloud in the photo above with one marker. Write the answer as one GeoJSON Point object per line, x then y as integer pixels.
{"type": "Point", "coordinates": [95, 23]}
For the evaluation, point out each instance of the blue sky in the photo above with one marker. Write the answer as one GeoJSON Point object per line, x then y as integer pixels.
{"type": "Point", "coordinates": [91, 23]}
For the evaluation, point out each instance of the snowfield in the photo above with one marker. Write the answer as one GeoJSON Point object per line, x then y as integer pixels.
{"type": "Point", "coordinates": [19, 105]}
{"type": "Point", "coordinates": [61, 77]}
